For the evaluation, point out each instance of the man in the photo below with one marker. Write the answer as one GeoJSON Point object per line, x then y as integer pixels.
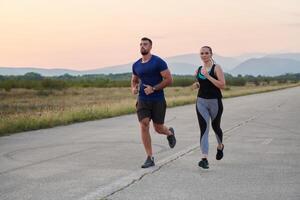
{"type": "Point", "coordinates": [150, 75]}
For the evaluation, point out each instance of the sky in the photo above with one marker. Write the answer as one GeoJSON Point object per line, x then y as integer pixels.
{"type": "Point", "coordinates": [88, 34]}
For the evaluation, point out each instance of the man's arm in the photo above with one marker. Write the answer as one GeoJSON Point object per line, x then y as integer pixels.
{"type": "Point", "coordinates": [134, 84]}
{"type": "Point", "coordinates": [167, 80]}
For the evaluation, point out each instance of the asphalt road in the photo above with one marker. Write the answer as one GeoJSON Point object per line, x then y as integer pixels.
{"type": "Point", "coordinates": [101, 159]}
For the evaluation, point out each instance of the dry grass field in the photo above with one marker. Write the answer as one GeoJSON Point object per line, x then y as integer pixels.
{"type": "Point", "coordinates": [23, 109]}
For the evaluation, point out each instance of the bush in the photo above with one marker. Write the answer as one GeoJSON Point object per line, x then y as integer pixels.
{"type": "Point", "coordinates": [38, 82]}
{"type": "Point", "coordinates": [53, 84]}
{"type": "Point", "coordinates": [239, 81]}
{"type": "Point", "coordinates": [282, 81]}
{"type": "Point", "coordinates": [7, 85]}
{"type": "Point", "coordinates": [32, 76]}
{"type": "Point", "coordinates": [183, 81]}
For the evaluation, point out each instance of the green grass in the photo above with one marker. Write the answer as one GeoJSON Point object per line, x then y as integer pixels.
{"type": "Point", "coordinates": [24, 110]}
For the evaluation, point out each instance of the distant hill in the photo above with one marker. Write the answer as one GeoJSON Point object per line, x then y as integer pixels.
{"type": "Point", "coordinates": [175, 67]}
{"type": "Point", "coordinates": [227, 63]}
{"type": "Point", "coordinates": [110, 70]}
{"type": "Point", "coordinates": [254, 64]}
{"type": "Point", "coordinates": [269, 66]}
{"type": "Point", "coordinates": [294, 56]}
{"type": "Point", "coordinates": [247, 56]}
{"type": "Point", "coordinates": [44, 72]}
{"type": "Point", "coordinates": [181, 64]}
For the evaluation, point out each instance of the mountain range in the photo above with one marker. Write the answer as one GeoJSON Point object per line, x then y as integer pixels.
{"type": "Point", "coordinates": [269, 65]}
{"type": "Point", "coordinates": [247, 64]}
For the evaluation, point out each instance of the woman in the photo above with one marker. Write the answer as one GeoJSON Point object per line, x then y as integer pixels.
{"type": "Point", "coordinates": [210, 81]}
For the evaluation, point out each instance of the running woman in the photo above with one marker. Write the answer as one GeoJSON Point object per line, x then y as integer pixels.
{"type": "Point", "coordinates": [210, 81]}
{"type": "Point", "coordinates": [150, 75]}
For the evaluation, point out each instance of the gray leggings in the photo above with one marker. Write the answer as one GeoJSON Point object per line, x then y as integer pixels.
{"type": "Point", "coordinates": [206, 109]}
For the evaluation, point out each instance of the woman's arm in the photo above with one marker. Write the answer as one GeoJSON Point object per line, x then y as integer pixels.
{"type": "Point", "coordinates": [220, 83]}
{"type": "Point", "coordinates": [196, 84]}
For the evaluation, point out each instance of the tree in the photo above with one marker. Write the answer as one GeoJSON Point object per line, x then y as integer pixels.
{"type": "Point", "coordinates": [32, 76]}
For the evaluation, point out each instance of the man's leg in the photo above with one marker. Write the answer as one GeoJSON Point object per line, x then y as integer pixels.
{"type": "Point", "coordinates": [144, 114]}
{"type": "Point", "coordinates": [158, 117]}
{"type": "Point", "coordinates": [146, 138]}
{"type": "Point", "coordinates": [162, 129]}
{"type": "Point", "coordinates": [169, 132]}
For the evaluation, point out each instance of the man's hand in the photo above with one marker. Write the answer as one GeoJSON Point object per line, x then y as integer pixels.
{"type": "Point", "coordinates": [149, 89]}
{"type": "Point", "coordinates": [134, 84]}
{"type": "Point", "coordinates": [134, 90]}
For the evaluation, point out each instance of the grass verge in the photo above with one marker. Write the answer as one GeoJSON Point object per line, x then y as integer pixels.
{"type": "Point", "coordinates": [24, 110]}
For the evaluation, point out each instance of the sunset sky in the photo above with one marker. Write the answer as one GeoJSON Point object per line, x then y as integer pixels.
{"type": "Point", "coordinates": [87, 34]}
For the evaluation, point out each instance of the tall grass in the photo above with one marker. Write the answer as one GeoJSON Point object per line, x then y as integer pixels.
{"type": "Point", "coordinates": [23, 109]}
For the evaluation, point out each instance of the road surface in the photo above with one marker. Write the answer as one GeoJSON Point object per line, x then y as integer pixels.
{"type": "Point", "coordinates": [101, 159]}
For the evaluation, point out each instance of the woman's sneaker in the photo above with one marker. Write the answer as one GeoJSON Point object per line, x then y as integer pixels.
{"type": "Point", "coordinates": [204, 163]}
{"type": "Point", "coordinates": [220, 153]}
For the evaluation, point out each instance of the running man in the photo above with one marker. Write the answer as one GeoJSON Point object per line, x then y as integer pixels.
{"type": "Point", "coordinates": [150, 75]}
{"type": "Point", "coordinates": [210, 81]}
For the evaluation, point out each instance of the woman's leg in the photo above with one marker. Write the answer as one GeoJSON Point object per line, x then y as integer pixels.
{"type": "Point", "coordinates": [203, 119]}
{"type": "Point", "coordinates": [216, 113]}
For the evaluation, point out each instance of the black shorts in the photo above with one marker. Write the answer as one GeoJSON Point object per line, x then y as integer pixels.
{"type": "Point", "coordinates": [155, 110]}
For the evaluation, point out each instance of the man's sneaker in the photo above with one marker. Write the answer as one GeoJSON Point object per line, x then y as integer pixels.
{"type": "Point", "coordinates": [204, 163]}
{"type": "Point", "coordinates": [171, 138]}
{"type": "Point", "coordinates": [220, 154]}
{"type": "Point", "coordinates": [149, 162]}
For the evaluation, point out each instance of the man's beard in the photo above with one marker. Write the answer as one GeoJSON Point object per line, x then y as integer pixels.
{"type": "Point", "coordinates": [144, 52]}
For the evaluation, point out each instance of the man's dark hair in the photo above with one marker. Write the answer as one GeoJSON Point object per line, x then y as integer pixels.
{"type": "Point", "coordinates": [147, 39]}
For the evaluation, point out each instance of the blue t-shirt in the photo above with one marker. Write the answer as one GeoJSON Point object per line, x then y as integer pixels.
{"type": "Point", "coordinates": [149, 74]}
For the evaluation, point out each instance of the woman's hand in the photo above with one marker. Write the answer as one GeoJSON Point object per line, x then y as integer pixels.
{"type": "Point", "coordinates": [204, 72]}
{"type": "Point", "coordinates": [196, 85]}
